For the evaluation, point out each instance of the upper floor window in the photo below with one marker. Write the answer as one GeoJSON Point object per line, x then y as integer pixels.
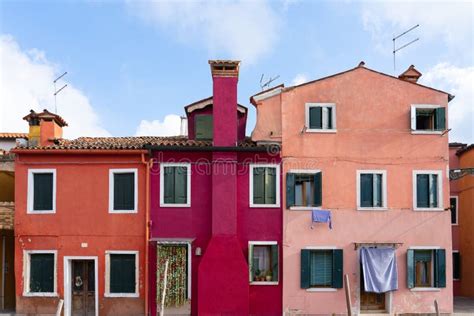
{"type": "Point", "coordinates": [40, 273]}
{"type": "Point", "coordinates": [123, 191]}
{"type": "Point", "coordinates": [203, 126]}
{"type": "Point", "coordinates": [303, 189]}
{"type": "Point", "coordinates": [371, 189]}
{"type": "Point", "coordinates": [41, 191]}
{"type": "Point", "coordinates": [264, 185]}
{"type": "Point", "coordinates": [428, 118]}
{"type": "Point", "coordinates": [175, 184]}
{"type": "Point", "coordinates": [427, 190]}
{"type": "Point", "coordinates": [426, 268]}
{"type": "Point", "coordinates": [321, 268]}
{"type": "Point", "coordinates": [453, 201]}
{"type": "Point", "coordinates": [263, 262]}
{"type": "Point", "coordinates": [320, 117]}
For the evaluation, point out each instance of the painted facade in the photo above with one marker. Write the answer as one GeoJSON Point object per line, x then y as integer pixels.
{"type": "Point", "coordinates": [217, 223]}
{"type": "Point", "coordinates": [369, 128]}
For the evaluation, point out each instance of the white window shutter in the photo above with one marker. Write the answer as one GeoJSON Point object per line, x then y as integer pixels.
{"type": "Point", "coordinates": [413, 118]}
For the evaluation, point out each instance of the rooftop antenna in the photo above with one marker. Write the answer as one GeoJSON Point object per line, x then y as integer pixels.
{"type": "Point", "coordinates": [395, 50]}
{"type": "Point", "coordinates": [57, 91]}
{"type": "Point", "coordinates": [264, 85]}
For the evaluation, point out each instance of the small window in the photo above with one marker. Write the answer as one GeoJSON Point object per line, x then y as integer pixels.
{"type": "Point", "coordinates": [263, 262]}
{"type": "Point", "coordinates": [203, 127]}
{"type": "Point", "coordinates": [123, 191]}
{"type": "Point", "coordinates": [40, 274]}
{"type": "Point", "coordinates": [371, 185]}
{"type": "Point", "coordinates": [428, 118]}
{"type": "Point", "coordinates": [428, 190]}
{"type": "Point", "coordinates": [303, 189]}
{"type": "Point", "coordinates": [175, 186]}
{"type": "Point", "coordinates": [456, 265]}
{"type": "Point", "coordinates": [321, 268]}
{"type": "Point", "coordinates": [264, 185]}
{"type": "Point", "coordinates": [122, 274]}
{"type": "Point", "coordinates": [426, 268]}
{"type": "Point", "coordinates": [320, 117]}
{"type": "Point", "coordinates": [453, 201]}
{"type": "Point", "coordinates": [42, 191]}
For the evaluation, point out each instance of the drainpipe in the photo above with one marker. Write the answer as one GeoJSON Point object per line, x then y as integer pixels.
{"type": "Point", "coordinates": [148, 164]}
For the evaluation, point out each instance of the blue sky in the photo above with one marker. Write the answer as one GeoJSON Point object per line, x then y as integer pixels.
{"type": "Point", "coordinates": [133, 65]}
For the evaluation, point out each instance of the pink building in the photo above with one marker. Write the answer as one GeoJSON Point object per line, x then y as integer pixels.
{"type": "Point", "coordinates": [369, 148]}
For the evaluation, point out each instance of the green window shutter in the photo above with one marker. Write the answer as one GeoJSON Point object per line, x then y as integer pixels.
{"type": "Point", "coordinates": [42, 191]}
{"type": "Point", "coordinates": [290, 190]}
{"type": "Point", "coordinates": [440, 117]}
{"type": "Point", "coordinates": [410, 268]}
{"type": "Point", "coordinates": [366, 190]}
{"type": "Point", "coordinates": [259, 185]}
{"type": "Point", "coordinates": [318, 189]}
{"type": "Point", "coordinates": [168, 189]}
{"type": "Point", "coordinates": [122, 273]}
{"type": "Point", "coordinates": [422, 190]}
{"type": "Point", "coordinates": [315, 118]}
{"type": "Point", "coordinates": [204, 127]}
{"type": "Point", "coordinates": [305, 268]}
{"type": "Point", "coordinates": [275, 265]}
{"type": "Point", "coordinates": [251, 265]}
{"type": "Point", "coordinates": [181, 185]}
{"type": "Point", "coordinates": [337, 268]}
{"type": "Point", "coordinates": [124, 191]}
{"type": "Point", "coordinates": [270, 185]}
{"type": "Point", "coordinates": [440, 268]}
{"type": "Point", "coordinates": [42, 273]}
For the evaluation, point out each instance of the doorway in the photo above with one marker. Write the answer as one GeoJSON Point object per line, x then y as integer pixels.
{"type": "Point", "coordinates": [80, 286]}
{"type": "Point", "coordinates": [369, 301]}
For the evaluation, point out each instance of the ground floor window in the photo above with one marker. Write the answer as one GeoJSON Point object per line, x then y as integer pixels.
{"type": "Point", "coordinates": [122, 273]}
{"type": "Point", "coordinates": [321, 268]}
{"type": "Point", "coordinates": [40, 274]}
{"type": "Point", "coordinates": [263, 262]}
{"type": "Point", "coordinates": [456, 265]}
{"type": "Point", "coordinates": [426, 268]}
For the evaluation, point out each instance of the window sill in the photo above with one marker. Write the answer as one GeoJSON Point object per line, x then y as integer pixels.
{"type": "Point", "coordinates": [321, 289]}
{"type": "Point", "coordinates": [41, 212]}
{"type": "Point", "coordinates": [123, 211]}
{"type": "Point", "coordinates": [174, 205]}
{"type": "Point", "coordinates": [424, 132]}
{"type": "Point", "coordinates": [264, 283]}
{"type": "Point", "coordinates": [113, 295]}
{"type": "Point", "coordinates": [327, 131]}
{"type": "Point", "coordinates": [304, 208]}
{"type": "Point", "coordinates": [456, 279]}
{"type": "Point", "coordinates": [454, 224]}
{"type": "Point", "coordinates": [372, 209]}
{"type": "Point", "coordinates": [434, 209]}
{"type": "Point", "coordinates": [32, 294]}
{"type": "Point", "coordinates": [264, 205]}
{"type": "Point", "coordinates": [425, 289]}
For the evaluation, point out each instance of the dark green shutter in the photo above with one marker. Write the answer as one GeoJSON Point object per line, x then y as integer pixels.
{"type": "Point", "coordinates": [168, 189]}
{"type": "Point", "coordinates": [318, 190]}
{"type": "Point", "coordinates": [410, 268]}
{"type": "Point", "coordinates": [42, 191]}
{"type": "Point", "coordinates": [422, 190]}
{"type": "Point", "coordinates": [204, 127]}
{"type": "Point", "coordinates": [315, 117]}
{"type": "Point", "coordinates": [259, 185]}
{"type": "Point", "coordinates": [329, 111]}
{"type": "Point", "coordinates": [181, 185]}
{"type": "Point", "coordinates": [275, 263]}
{"type": "Point", "coordinates": [122, 273]}
{"type": "Point", "coordinates": [440, 268]}
{"type": "Point", "coordinates": [337, 268]}
{"type": "Point", "coordinates": [440, 117]}
{"type": "Point", "coordinates": [290, 190]}
{"type": "Point", "coordinates": [42, 273]}
{"type": "Point", "coordinates": [270, 185]}
{"type": "Point", "coordinates": [305, 268]}
{"type": "Point", "coordinates": [366, 190]}
{"type": "Point", "coordinates": [124, 191]}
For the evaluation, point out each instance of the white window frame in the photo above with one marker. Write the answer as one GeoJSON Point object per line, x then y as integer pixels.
{"type": "Point", "coordinates": [413, 119]}
{"type": "Point", "coordinates": [277, 183]}
{"type": "Point", "coordinates": [162, 184]}
{"type": "Point", "coordinates": [323, 118]}
{"type": "Point", "coordinates": [112, 172]}
{"type": "Point", "coordinates": [305, 171]}
{"type": "Point", "coordinates": [26, 273]}
{"type": "Point", "coordinates": [107, 273]}
{"type": "Point", "coordinates": [30, 195]}
{"type": "Point", "coordinates": [455, 251]}
{"type": "Point", "coordinates": [431, 288]}
{"type": "Point", "coordinates": [264, 243]}
{"type": "Point", "coordinates": [439, 173]}
{"type": "Point", "coordinates": [321, 289]}
{"type": "Point", "coordinates": [384, 190]}
{"type": "Point", "coordinates": [457, 208]}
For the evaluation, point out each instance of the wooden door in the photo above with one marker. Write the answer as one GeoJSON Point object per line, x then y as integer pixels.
{"type": "Point", "coordinates": [83, 288]}
{"type": "Point", "coordinates": [370, 301]}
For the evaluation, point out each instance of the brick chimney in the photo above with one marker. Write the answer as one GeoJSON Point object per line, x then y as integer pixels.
{"type": "Point", "coordinates": [45, 128]}
{"type": "Point", "coordinates": [411, 74]}
{"type": "Point", "coordinates": [225, 75]}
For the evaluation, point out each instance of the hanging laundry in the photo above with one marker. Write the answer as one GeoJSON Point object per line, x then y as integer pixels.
{"type": "Point", "coordinates": [322, 216]}
{"type": "Point", "coordinates": [379, 267]}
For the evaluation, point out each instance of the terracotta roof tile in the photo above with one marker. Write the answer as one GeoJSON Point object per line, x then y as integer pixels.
{"type": "Point", "coordinates": [13, 135]}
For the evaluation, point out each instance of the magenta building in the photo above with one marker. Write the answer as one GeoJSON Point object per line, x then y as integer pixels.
{"type": "Point", "coordinates": [215, 213]}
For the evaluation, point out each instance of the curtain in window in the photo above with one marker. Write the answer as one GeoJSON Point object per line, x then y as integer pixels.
{"type": "Point", "coordinates": [321, 268]}
{"type": "Point", "coordinates": [423, 267]}
{"type": "Point", "coordinates": [434, 190]}
{"type": "Point", "coordinates": [176, 292]}
{"type": "Point", "coordinates": [261, 258]}
{"type": "Point", "coordinates": [377, 190]}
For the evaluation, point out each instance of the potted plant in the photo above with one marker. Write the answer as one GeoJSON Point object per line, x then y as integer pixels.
{"type": "Point", "coordinates": [269, 276]}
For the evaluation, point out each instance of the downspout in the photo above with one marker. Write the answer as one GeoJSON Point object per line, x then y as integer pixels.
{"type": "Point", "coordinates": [148, 164]}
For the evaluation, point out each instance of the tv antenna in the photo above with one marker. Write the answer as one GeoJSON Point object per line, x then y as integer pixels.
{"type": "Point", "coordinates": [395, 50]}
{"type": "Point", "coordinates": [57, 91]}
{"type": "Point", "coordinates": [264, 85]}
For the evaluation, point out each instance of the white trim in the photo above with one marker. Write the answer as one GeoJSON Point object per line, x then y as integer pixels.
{"type": "Point", "coordinates": [30, 194]}
{"type": "Point", "coordinates": [262, 243]}
{"type": "Point", "coordinates": [323, 118]}
{"type": "Point", "coordinates": [425, 289]}
{"type": "Point", "coordinates": [209, 101]}
{"type": "Point", "coordinates": [321, 289]}
{"type": "Point", "coordinates": [304, 171]}
{"type": "Point", "coordinates": [457, 208]}
{"type": "Point", "coordinates": [439, 173]}
{"type": "Point", "coordinates": [107, 273]}
{"type": "Point", "coordinates": [413, 119]}
{"type": "Point", "coordinates": [67, 282]}
{"type": "Point", "coordinates": [277, 183]}
{"type": "Point", "coordinates": [384, 190]}
{"type": "Point", "coordinates": [112, 172]}
{"type": "Point", "coordinates": [268, 94]}
{"type": "Point", "coordinates": [321, 247]}
{"type": "Point", "coordinates": [162, 192]}
{"type": "Point", "coordinates": [304, 208]}
{"type": "Point", "coordinates": [26, 273]}
{"type": "Point", "coordinates": [424, 247]}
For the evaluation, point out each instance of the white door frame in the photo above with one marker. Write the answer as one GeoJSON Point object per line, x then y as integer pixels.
{"type": "Point", "coordinates": [67, 282]}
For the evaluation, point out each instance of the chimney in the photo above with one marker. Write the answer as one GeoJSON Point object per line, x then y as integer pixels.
{"type": "Point", "coordinates": [410, 75]}
{"type": "Point", "coordinates": [225, 75]}
{"type": "Point", "coordinates": [45, 128]}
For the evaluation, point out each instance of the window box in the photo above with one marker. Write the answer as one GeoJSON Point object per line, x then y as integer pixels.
{"type": "Point", "coordinates": [321, 269]}
{"type": "Point", "coordinates": [303, 189]}
{"type": "Point", "coordinates": [428, 119]}
{"type": "Point", "coordinates": [123, 190]}
{"type": "Point", "coordinates": [121, 275]}
{"type": "Point", "coordinates": [426, 268]}
{"type": "Point", "coordinates": [263, 262]}
{"type": "Point", "coordinates": [264, 185]}
{"type": "Point", "coordinates": [371, 190]}
{"type": "Point", "coordinates": [427, 190]}
{"type": "Point", "coordinates": [320, 117]}
{"type": "Point", "coordinates": [41, 191]}
{"type": "Point", "coordinates": [175, 185]}
{"type": "Point", "coordinates": [40, 273]}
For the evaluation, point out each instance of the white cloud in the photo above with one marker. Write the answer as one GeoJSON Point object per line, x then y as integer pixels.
{"type": "Point", "coordinates": [299, 79]}
{"type": "Point", "coordinates": [169, 127]}
{"type": "Point", "coordinates": [460, 82]}
{"type": "Point", "coordinates": [240, 29]}
{"type": "Point", "coordinates": [26, 82]}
